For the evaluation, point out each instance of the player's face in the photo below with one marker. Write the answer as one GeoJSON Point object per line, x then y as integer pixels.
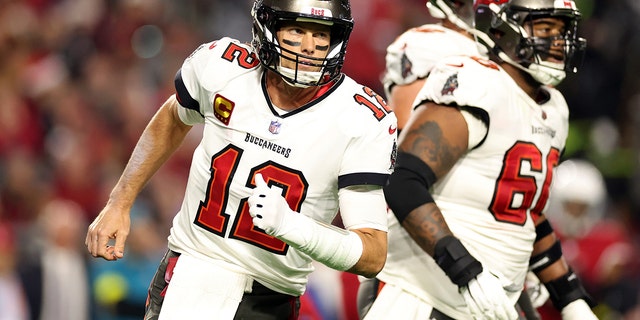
{"type": "Point", "coordinates": [305, 38]}
{"type": "Point", "coordinates": [575, 208]}
{"type": "Point", "coordinates": [552, 29]}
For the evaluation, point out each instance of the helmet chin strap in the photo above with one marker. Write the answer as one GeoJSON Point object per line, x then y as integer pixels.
{"type": "Point", "coordinates": [308, 78]}
{"type": "Point", "coordinates": [548, 73]}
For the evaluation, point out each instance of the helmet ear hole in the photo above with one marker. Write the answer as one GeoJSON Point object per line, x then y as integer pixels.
{"type": "Point", "coordinates": [524, 52]}
{"type": "Point", "coordinates": [263, 16]}
{"type": "Point", "coordinates": [265, 56]}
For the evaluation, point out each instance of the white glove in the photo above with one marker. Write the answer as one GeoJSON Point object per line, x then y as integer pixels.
{"type": "Point", "coordinates": [487, 299]}
{"type": "Point", "coordinates": [268, 208]}
{"type": "Point", "coordinates": [337, 248]}
{"type": "Point", "coordinates": [538, 293]}
{"type": "Point", "coordinates": [578, 310]}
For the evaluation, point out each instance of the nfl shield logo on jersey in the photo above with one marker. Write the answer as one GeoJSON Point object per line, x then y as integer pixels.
{"type": "Point", "coordinates": [274, 127]}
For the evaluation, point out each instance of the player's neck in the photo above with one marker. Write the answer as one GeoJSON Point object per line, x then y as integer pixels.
{"type": "Point", "coordinates": [524, 80]}
{"type": "Point", "coordinates": [450, 25]}
{"type": "Point", "coordinates": [288, 97]}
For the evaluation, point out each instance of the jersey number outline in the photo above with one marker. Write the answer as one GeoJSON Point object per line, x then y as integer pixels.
{"type": "Point", "coordinates": [380, 108]}
{"type": "Point", "coordinates": [245, 59]}
{"type": "Point", "coordinates": [211, 214]}
{"type": "Point", "coordinates": [512, 183]}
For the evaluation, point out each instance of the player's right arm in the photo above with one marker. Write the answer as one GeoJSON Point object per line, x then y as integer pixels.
{"type": "Point", "coordinates": [409, 60]}
{"type": "Point", "coordinates": [162, 136]}
{"type": "Point", "coordinates": [436, 136]}
{"type": "Point", "coordinates": [401, 100]}
{"type": "Point", "coordinates": [405, 71]}
{"type": "Point", "coordinates": [434, 139]}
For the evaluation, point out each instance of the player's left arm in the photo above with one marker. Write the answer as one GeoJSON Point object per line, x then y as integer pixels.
{"type": "Point", "coordinates": [374, 252]}
{"type": "Point", "coordinates": [364, 211]}
{"type": "Point", "coordinates": [435, 138]}
{"type": "Point", "coordinates": [401, 100]}
{"type": "Point", "coordinates": [335, 247]}
{"type": "Point", "coordinates": [565, 288]}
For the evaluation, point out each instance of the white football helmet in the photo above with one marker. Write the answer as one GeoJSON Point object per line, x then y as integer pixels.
{"type": "Point", "coordinates": [459, 12]}
{"type": "Point", "coordinates": [267, 17]}
{"type": "Point", "coordinates": [501, 25]}
{"type": "Point", "coordinates": [577, 181]}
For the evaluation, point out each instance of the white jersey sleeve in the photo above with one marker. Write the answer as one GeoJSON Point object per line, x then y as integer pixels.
{"type": "Point", "coordinates": [414, 53]}
{"type": "Point", "coordinates": [454, 82]}
{"type": "Point", "coordinates": [363, 207]}
{"type": "Point", "coordinates": [447, 75]}
{"type": "Point", "coordinates": [188, 90]}
{"type": "Point", "coordinates": [197, 69]}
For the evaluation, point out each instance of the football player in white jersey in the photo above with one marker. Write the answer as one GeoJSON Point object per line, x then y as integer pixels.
{"type": "Point", "coordinates": [475, 164]}
{"type": "Point", "coordinates": [289, 141]}
{"type": "Point", "coordinates": [413, 54]}
{"type": "Point", "coordinates": [409, 61]}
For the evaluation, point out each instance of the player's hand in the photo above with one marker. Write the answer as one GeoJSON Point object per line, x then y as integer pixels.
{"type": "Point", "coordinates": [268, 208]}
{"type": "Point", "coordinates": [486, 297]}
{"type": "Point", "coordinates": [111, 224]}
{"type": "Point", "coordinates": [578, 310]}
{"type": "Point", "coordinates": [538, 293]}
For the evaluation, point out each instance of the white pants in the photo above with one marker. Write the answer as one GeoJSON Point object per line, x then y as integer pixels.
{"type": "Point", "coordinates": [394, 303]}
{"type": "Point", "coordinates": [201, 289]}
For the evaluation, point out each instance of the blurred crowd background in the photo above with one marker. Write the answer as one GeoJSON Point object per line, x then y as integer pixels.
{"type": "Point", "coordinates": [79, 79]}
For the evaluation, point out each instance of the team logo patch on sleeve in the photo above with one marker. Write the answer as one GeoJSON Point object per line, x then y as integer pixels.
{"type": "Point", "coordinates": [406, 65]}
{"type": "Point", "coordinates": [450, 86]}
{"type": "Point", "coordinates": [394, 155]}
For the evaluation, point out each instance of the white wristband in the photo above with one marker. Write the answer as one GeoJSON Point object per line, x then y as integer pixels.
{"type": "Point", "coordinates": [335, 247]}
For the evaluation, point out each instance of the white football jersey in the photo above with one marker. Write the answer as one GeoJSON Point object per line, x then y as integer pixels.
{"type": "Point", "coordinates": [491, 196]}
{"type": "Point", "coordinates": [344, 137]}
{"type": "Point", "coordinates": [414, 53]}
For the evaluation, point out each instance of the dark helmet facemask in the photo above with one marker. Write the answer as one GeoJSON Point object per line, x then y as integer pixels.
{"type": "Point", "coordinates": [268, 15]}
{"type": "Point", "coordinates": [516, 47]}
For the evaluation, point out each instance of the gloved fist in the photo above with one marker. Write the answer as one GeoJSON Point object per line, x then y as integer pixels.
{"type": "Point", "coordinates": [486, 297]}
{"type": "Point", "coordinates": [578, 310]}
{"type": "Point", "coordinates": [537, 292]}
{"type": "Point", "coordinates": [268, 208]}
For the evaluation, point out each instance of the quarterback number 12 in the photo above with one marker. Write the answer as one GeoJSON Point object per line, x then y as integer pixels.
{"type": "Point", "coordinates": [379, 108]}
{"type": "Point", "coordinates": [211, 213]}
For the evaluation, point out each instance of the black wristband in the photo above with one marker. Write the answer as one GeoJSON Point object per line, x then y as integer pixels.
{"type": "Point", "coordinates": [454, 259]}
{"type": "Point", "coordinates": [567, 289]}
{"type": "Point", "coordinates": [546, 258]}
